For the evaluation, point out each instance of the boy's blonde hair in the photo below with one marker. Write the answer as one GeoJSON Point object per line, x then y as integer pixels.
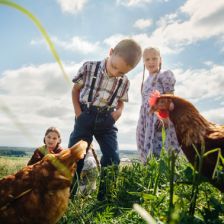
{"type": "Point", "coordinates": [129, 50]}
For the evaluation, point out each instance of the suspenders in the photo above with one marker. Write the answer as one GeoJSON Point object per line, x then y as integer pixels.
{"type": "Point", "coordinates": [115, 93]}
{"type": "Point", "coordinates": [93, 84]}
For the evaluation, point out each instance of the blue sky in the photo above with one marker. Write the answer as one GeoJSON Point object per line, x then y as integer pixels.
{"type": "Point", "coordinates": [190, 35]}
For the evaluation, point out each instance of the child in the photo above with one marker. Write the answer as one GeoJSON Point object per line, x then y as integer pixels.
{"type": "Point", "coordinates": [89, 172]}
{"type": "Point", "coordinates": [99, 92]}
{"type": "Point", "coordinates": [149, 138]}
{"type": "Point", "coordinates": [52, 140]}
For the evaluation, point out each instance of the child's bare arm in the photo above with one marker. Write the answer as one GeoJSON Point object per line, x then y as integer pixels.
{"type": "Point", "coordinates": [75, 99]}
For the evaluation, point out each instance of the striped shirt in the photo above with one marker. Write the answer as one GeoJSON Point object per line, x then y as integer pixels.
{"type": "Point", "coordinates": [104, 87]}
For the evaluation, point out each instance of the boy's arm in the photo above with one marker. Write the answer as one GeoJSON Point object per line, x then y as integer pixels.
{"type": "Point", "coordinates": [116, 114]}
{"type": "Point", "coordinates": [75, 99]}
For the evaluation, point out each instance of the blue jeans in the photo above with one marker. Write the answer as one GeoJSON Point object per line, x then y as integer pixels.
{"type": "Point", "coordinates": [101, 125]}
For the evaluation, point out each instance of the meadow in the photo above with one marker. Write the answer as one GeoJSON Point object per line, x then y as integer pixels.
{"type": "Point", "coordinates": [167, 188]}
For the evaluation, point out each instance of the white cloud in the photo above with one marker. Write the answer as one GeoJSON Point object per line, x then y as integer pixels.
{"type": "Point", "coordinates": [37, 97]}
{"type": "Point", "coordinates": [142, 23]}
{"type": "Point", "coordinates": [167, 19]}
{"type": "Point", "coordinates": [173, 33]}
{"type": "Point", "coordinates": [129, 3]}
{"type": "Point", "coordinates": [215, 115]}
{"type": "Point", "coordinates": [75, 44]}
{"type": "Point", "coordinates": [144, 40]}
{"type": "Point", "coordinates": [203, 21]}
{"type": "Point", "coordinates": [78, 44]}
{"type": "Point", "coordinates": [200, 84]}
{"type": "Point", "coordinates": [72, 6]}
{"type": "Point", "coordinates": [198, 11]}
{"type": "Point", "coordinates": [221, 43]}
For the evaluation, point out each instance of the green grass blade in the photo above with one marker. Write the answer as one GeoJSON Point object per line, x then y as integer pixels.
{"type": "Point", "coordinates": [211, 151]}
{"type": "Point", "coordinates": [41, 29]}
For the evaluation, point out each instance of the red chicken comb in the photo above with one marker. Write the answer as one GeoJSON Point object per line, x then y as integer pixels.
{"type": "Point", "coordinates": [153, 97]}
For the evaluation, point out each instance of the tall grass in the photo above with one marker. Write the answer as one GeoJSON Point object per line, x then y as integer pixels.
{"type": "Point", "coordinates": [135, 185]}
{"type": "Point", "coordinates": [10, 165]}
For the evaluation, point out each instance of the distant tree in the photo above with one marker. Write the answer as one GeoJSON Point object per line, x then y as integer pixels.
{"type": "Point", "coordinates": [12, 153]}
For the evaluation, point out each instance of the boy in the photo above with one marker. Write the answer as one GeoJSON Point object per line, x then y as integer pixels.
{"type": "Point", "coordinates": [98, 95]}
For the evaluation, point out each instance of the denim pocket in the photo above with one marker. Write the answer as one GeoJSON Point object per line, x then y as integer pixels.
{"type": "Point", "coordinates": [110, 115]}
{"type": "Point", "coordinates": [104, 121]}
{"type": "Point", "coordinates": [80, 115]}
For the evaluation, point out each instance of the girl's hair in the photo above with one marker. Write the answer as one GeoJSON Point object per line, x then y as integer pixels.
{"type": "Point", "coordinates": [151, 48]}
{"type": "Point", "coordinates": [160, 65]}
{"type": "Point", "coordinates": [55, 130]}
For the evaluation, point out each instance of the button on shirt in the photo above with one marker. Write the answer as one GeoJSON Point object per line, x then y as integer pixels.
{"type": "Point", "coordinates": [104, 87]}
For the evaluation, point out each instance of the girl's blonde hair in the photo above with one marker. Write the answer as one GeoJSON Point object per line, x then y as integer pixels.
{"type": "Point", "coordinates": [151, 49]}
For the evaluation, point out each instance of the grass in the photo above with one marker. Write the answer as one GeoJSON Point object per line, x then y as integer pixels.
{"type": "Point", "coordinates": [148, 186]}
{"type": "Point", "coordinates": [9, 165]}
{"type": "Point", "coordinates": [136, 184]}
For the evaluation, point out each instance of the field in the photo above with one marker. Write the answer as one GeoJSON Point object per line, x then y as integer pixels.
{"type": "Point", "coordinates": [167, 188]}
{"type": "Point", "coordinates": [9, 165]}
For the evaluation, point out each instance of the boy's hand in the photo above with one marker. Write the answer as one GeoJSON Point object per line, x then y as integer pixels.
{"type": "Point", "coordinates": [78, 112]}
{"type": "Point", "coordinates": [75, 100]}
{"type": "Point", "coordinates": [116, 114]}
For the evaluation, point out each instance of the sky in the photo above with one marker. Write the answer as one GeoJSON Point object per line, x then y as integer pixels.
{"type": "Point", "coordinates": [34, 94]}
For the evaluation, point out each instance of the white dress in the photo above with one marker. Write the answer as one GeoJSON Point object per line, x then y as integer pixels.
{"type": "Point", "coordinates": [149, 139]}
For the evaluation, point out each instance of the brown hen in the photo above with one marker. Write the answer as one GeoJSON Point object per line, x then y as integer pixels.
{"type": "Point", "coordinates": [194, 131]}
{"type": "Point", "coordinates": [39, 193]}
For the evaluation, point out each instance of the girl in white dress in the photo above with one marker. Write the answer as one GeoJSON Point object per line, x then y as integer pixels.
{"type": "Point", "coordinates": [148, 135]}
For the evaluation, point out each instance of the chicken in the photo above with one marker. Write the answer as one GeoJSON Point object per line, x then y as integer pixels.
{"type": "Point", "coordinates": [39, 193]}
{"type": "Point", "coordinates": [193, 132]}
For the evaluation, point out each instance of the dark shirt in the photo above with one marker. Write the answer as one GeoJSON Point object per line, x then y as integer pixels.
{"type": "Point", "coordinates": [40, 152]}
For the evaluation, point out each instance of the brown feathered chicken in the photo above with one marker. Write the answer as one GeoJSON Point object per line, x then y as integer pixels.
{"type": "Point", "coordinates": [193, 131]}
{"type": "Point", "coordinates": [39, 193]}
